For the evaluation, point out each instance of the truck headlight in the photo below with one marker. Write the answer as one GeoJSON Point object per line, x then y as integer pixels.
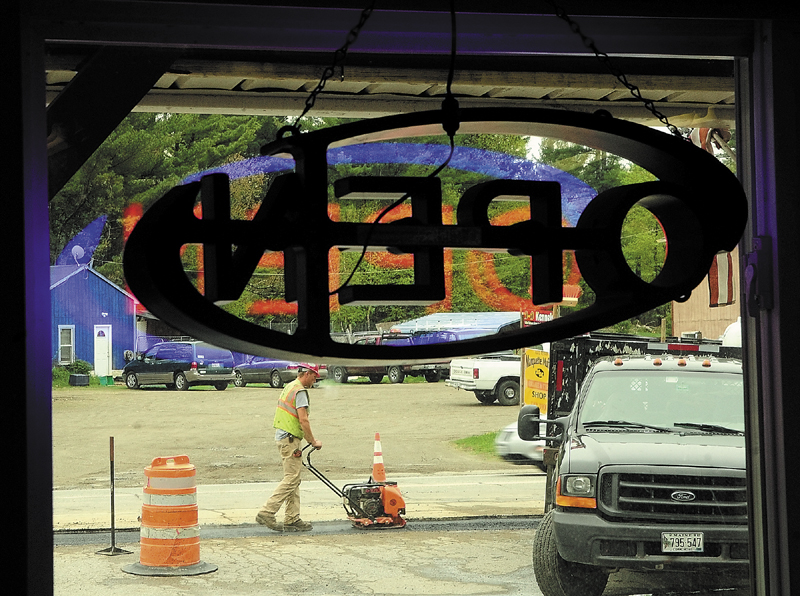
{"type": "Point", "coordinates": [576, 490]}
{"type": "Point", "coordinates": [579, 486]}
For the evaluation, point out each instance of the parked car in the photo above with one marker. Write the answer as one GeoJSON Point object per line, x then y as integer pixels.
{"type": "Point", "coordinates": [260, 369]}
{"type": "Point", "coordinates": [491, 377]}
{"type": "Point", "coordinates": [322, 373]}
{"type": "Point", "coordinates": [511, 448]}
{"type": "Point", "coordinates": [180, 365]}
{"type": "Point", "coordinates": [433, 372]}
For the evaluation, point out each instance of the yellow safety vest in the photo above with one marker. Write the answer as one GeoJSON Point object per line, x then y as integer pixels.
{"type": "Point", "coordinates": [286, 417]}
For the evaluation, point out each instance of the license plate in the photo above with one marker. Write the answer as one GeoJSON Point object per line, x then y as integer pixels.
{"type": "Point", "coordinates": [216, 365]}
{"type": "Point", "coordinates": [681, 542]}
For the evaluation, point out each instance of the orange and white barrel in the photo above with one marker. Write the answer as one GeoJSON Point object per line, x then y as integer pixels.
{"type": "Point", "coordinates": [170, 534]}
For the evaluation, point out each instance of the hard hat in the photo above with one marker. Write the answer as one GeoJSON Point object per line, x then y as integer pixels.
{"type": "Point", "coordinates": [312, 367]}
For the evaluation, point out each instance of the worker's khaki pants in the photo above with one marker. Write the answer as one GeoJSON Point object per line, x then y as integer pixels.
{"type": "Point", "coordinates": [288, 491]}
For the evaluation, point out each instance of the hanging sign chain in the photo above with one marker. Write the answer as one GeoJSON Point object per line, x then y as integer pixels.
{"type": "Point", "coordinates": [338, 61]}
{"type": "Point", "coordinates": [589, 43]}
{"type": "Point", "coordinates": [449, 123]}
{"type": "Point", "coordinates": [341, 54]}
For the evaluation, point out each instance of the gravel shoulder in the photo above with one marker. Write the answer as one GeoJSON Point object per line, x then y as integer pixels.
{"type": "Point", "coordinates": [228, 434]}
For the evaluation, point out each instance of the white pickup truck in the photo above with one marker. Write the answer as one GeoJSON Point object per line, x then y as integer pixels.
{"type": "Point", "coordinates": [491, 377]}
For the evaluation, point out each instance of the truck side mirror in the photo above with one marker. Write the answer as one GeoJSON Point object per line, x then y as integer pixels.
{"type": "Point", "coordinates": [528, 423]}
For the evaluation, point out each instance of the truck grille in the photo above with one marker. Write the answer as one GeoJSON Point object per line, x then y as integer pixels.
{"type": "Point", "coordinates": [698, 496]}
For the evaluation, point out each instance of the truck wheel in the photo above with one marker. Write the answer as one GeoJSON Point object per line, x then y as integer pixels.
{"type": "Point", "coordinates": [557, 577]}
{"type": "Point", "coordinates": [433, 376]}
{"type": "Point", "coordinates": [375, 378]}
{"type": "Point", "coordinates": [508, 393]}
{"type": "Point", "coordinates": [339, 374]}
{"type": "Point", "coordinates": [485, 397]}
{"type": "Point", "coordinates": [395, 374]}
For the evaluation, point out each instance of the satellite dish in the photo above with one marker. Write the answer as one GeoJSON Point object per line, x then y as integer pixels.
{"type": "Point", "coordinates": [78, 252]}
{"type": "Point", "coordinates": [81, 247]}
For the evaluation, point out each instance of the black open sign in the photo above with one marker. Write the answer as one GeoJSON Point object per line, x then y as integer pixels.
{"type": "Point", "coordinates": [699, 203]}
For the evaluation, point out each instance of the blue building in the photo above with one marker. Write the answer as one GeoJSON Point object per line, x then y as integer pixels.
{"type": "Point", "coordinates": [93, 319]}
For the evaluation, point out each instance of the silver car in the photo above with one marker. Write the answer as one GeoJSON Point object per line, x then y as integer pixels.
{"type": "Point", "coordinates": [511, 448]}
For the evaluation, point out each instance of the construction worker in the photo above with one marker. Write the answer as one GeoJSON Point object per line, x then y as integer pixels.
{"type": "Point", "coordinates": [291, 427]}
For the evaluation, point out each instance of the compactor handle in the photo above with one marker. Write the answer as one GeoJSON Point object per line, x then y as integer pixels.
{"type": "Point", "coordinates": [308, 455]}
{"type": "Point", "coordinates": [307, 463]}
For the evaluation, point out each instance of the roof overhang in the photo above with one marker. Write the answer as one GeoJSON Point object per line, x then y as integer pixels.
{"type": "Point", "coordinates": [266, 60]}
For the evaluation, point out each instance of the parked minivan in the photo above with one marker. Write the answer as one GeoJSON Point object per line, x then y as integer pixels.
{"type": "Point", "coordinates": [180, 365]}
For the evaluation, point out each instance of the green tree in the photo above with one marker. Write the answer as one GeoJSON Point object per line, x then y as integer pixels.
{"type": "Point", "coordinates": [150, 153]}
{"type": "Point", "coordinates": [598, 169]}
{"type": "Point", "coordinates": [644, 247]}
{"type": "Point", "coordinates": [454, 183]}
{"type": "Point", "coordinates": [146, 155]}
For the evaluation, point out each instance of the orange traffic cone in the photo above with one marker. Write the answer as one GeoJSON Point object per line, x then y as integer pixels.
{"type": "Point", "coordinates": [378, 471]}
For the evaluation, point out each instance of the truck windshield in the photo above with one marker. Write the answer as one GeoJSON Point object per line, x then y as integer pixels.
{"type": "Point", "coordinates": [689, 401]}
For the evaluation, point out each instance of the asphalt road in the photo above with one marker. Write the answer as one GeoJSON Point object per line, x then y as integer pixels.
{"type": "Point", "coordinates": [429, 497]}
{"type": "Point", "coordinates": [449, 558]}
{"type": "Point", "coordinates": [454, 548]}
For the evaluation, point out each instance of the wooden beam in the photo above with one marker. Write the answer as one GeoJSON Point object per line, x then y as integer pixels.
{"type": "Point", "coordinates": [94, 102]}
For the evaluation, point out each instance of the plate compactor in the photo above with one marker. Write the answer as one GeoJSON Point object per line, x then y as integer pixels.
{"type": "Point", "coordinates": [374, 505]}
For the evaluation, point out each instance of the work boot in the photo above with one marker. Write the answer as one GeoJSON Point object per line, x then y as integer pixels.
{"type": "Point", "coordinates": [297, 526]}
{"type": "Point", "coordinates": [265, 519]}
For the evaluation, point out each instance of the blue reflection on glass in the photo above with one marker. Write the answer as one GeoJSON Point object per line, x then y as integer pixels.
{"type": "Point", "coordinates": [575, 194]}
{"type": "Point", "coordinates": [80, 249]}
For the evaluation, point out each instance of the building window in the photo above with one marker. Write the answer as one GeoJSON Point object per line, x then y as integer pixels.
{"type": "Point", "coordinates": [66, 344]}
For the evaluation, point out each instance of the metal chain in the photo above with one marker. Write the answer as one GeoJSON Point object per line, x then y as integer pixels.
{"type": "Point", "coordinates": [589, 43]}
{"type": "Point", "coordinates": [450, 125]}
{"type": "Point", "coordinates": [338, 61]}
{"type": "Point", "coordinates": [340, 55]}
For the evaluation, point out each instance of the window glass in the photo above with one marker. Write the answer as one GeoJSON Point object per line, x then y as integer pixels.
{"type": "Point", "coordinates": [169, 352]}
{"type": "Point", "coordinates": [66, 348]}
{"type": "Point", "coordinates": [209, 352]}
{"type": "Point", "coordinates": [665, 400]}
{"type": "Point", "coordinates": [183, 352]}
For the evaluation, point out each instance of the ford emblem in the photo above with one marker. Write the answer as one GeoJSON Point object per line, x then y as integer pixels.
{"type": "Point", "coordinates": [682, 496]}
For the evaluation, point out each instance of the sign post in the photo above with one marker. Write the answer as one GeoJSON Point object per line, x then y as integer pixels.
{"type": "Point", "coordinates": [112, 550]}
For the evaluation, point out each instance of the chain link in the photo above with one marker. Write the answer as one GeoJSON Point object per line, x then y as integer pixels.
{"type": "Point", "coordinates": [338, 61]}
{"type": "Point", "coordinates": [605, 59]}
{"type": "Point", "coordinates": [340, 55]}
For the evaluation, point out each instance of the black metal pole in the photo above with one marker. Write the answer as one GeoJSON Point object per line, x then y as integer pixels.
{"type": "Point", "coordinates": [112, 550]}
{"type": "Point", "coordinates": [113, 516]}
